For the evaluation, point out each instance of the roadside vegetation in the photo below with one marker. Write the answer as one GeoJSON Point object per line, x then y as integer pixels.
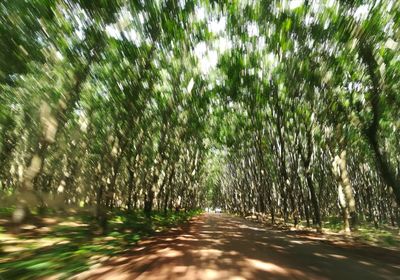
{"type": "Point", "coordinates": [64, 245]}
{"type": "Point", "coordinates": [143, 111]}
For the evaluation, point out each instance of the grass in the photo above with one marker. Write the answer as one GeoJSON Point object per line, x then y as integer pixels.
{"type": "Point", "coordinates": [384, 236]}
{"type": "Point", "coordinates": [65, 246]}
{"type": "Point", "coordinates": [6, 211]}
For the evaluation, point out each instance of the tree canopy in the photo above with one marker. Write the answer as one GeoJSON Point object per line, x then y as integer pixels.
{"type": "Point", "coordinates": [281, 108]}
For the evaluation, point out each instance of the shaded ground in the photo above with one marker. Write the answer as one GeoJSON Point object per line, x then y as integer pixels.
{"type": "Point", "coordinates": [219, 246]}
{"type": "Point", "coordinates": [385, 235]}
{"type": "Point", "coordinates": [60, 246]}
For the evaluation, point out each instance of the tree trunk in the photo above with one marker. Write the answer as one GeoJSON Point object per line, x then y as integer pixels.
{"type": "Point", "coordinates": [50, 125]}
{"type": "Point", "coordinates": [101, 212]}
{"type": "Point", "coordinates": [130, 188]}
{"type": "Point", "coordinates": [314, 202]}
{"type": "Point", "coordinates": [387, 172]}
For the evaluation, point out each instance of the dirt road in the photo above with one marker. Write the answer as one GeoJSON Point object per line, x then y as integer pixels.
{"type": "Point", "coordinates": [219, 246]}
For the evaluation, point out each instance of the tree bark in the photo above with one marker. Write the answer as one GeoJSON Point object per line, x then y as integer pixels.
{"type": "Point", "coordinates": [387, 172]}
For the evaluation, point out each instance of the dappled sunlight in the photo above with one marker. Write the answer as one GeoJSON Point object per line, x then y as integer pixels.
{"type": "Point", "coordinates": [72, 224]}
{"type": "Point", "coordinates": [320, 255]}
{"type": "Point", "coordinates": [49, 221]}
{"type": "Point", "coordinates": [215, 241]}
{"type": "Point", "coordinates": [337, 256]}
{"type": "Point", "coordinates": [64, 247]}
{"type": "Point", "coordinates": [270, 267]}
{"type": "Point", "coordinates": [209, 274]}
{"type": "Point", "coordinates": [169, 253]}
{"type": "Point", "coordinates": [12, 249]}
{"type": "Point", "coordinates": [301, 241]}
{"type": "Point", "coordinates": [252, 228]}
{"type": "Point", "coordinates": [185, 238]}
{"type": "Point", "coordinates": [210, 247]}
{"type": "Point", "coordinates": [237, 253]}
{"type": "Point", "coordinates": [277, 247]}
{"type": "Point", "coordinates": [365, 263]}
{"type": "Point", "coordinates": [180, 269]}
{"type": "Point", "coordinates": [139, 248]}
{"type": "Point", "coordinates": [208, 254]}
{"type": "Point", "coordinates": [198, 139]}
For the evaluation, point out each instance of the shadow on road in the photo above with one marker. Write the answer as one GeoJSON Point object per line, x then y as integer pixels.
{"type": "Point", "coordinates": [218, 246]}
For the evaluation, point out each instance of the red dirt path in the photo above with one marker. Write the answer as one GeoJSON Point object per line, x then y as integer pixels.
{"type": "Point", "coordinates": [219, 246]}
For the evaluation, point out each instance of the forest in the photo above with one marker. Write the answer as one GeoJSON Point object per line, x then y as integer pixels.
{"type": "Point", "coordinates": [142, 113]}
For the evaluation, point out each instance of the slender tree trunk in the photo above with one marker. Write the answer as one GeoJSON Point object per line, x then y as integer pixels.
{"type": "Point", "coordinates": [314, 201]}
{"type": "Point", "coordinates": [130, 188]}
{"type": "Point", "coordinates": [306, 159]}
{"type": "Point", "coordinates": [169, 186]}
{"type": "Point", "coordinates": [50, 125]}
{"type": "Point", "coordinates": [101, 212]}
{"type": "Point", "coordinates": [387, 172]}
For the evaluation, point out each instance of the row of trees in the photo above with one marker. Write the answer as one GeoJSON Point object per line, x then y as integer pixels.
{"type": "Point", "coordinates": [318, 104]}
{"type": "Point", "coordinates": [284, 108]}
{"type": "Point", "coordinates": [104, 110]}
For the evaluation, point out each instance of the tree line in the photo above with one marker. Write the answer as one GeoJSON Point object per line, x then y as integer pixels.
{"type": "Point", "coordinates": [289, 109]}
{"type": "Point", "coordinates": [317, 103]}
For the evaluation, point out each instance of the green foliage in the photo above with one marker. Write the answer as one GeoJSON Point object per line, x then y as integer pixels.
{"type": "Point", "coordinates": [66, 250]}
{"type": "Point", "coordinates": [384, 236]}
{"type": "Point", "coordinates": [283, 108]}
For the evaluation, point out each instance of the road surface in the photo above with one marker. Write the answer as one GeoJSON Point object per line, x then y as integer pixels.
{"type": "Point", "coordinates": [220, 246]}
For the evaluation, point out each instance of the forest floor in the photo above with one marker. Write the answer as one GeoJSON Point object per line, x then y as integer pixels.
{"type": "Point", "coordinates": [221, 246]}
{"type": "Point", "coordinates": [386, 236]}
{"type": "Point", "coordinates": [210, 246]}
{"type": "Point", "coordinates": [60, 245]}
